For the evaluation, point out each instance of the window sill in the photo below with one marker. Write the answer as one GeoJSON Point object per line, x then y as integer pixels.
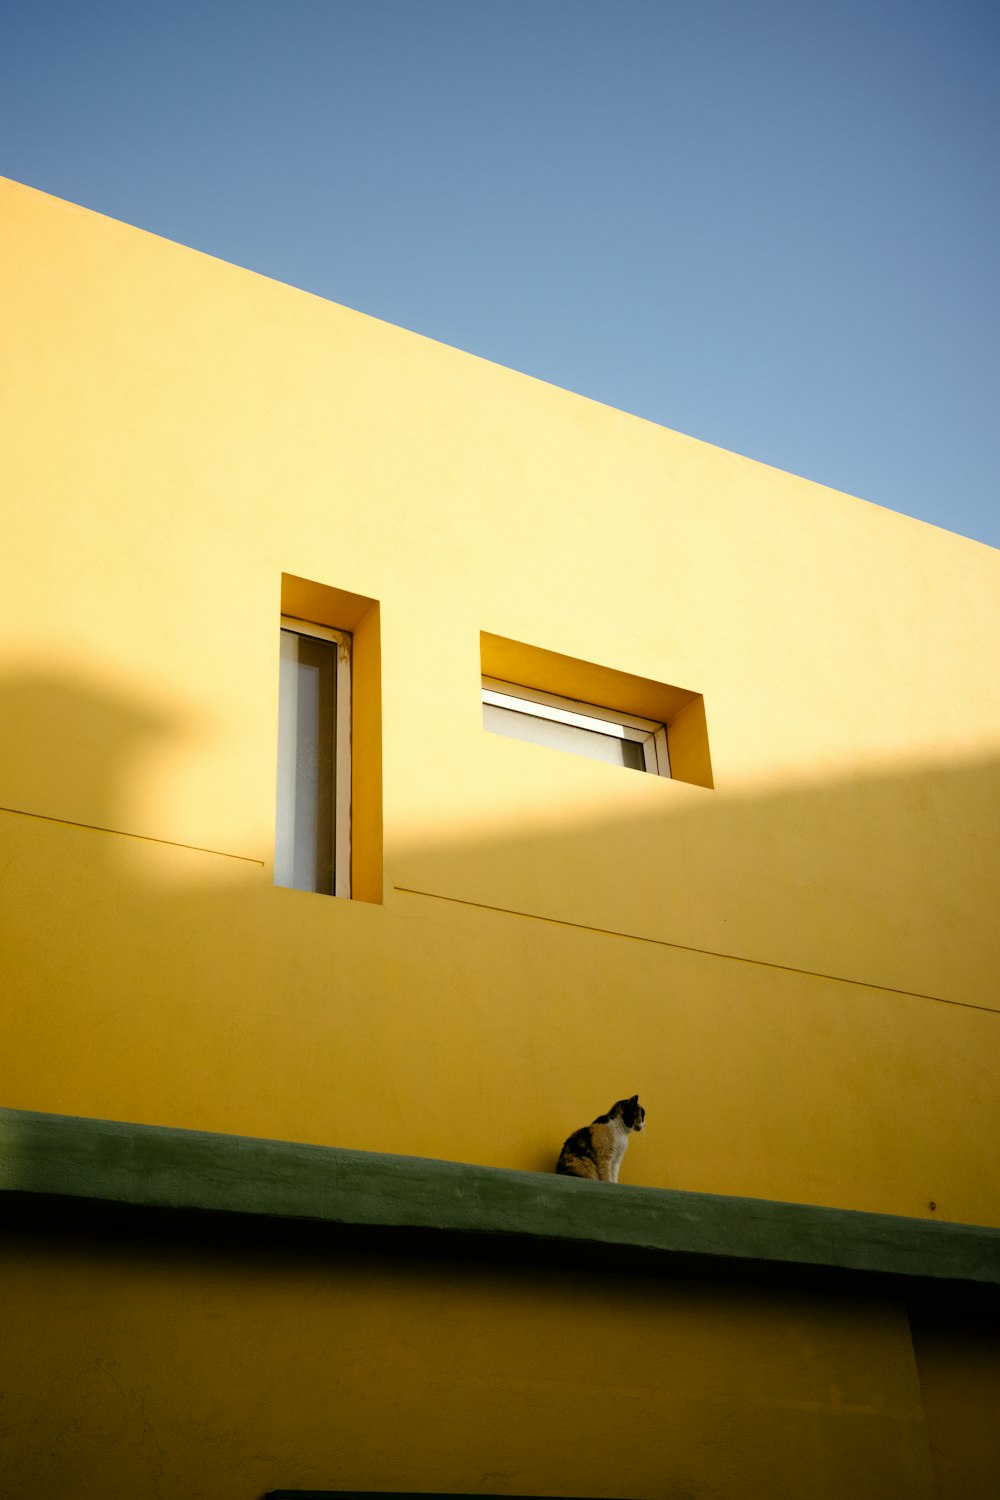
{"type": "Point", "coordinates": [67, 1170]}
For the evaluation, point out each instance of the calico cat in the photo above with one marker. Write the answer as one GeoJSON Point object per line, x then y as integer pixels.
{"type": "Point", "coordinates": [596, 1150]}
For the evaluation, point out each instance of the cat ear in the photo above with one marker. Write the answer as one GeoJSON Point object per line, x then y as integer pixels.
{"type": "Point", "coordinates": [634, 1099]}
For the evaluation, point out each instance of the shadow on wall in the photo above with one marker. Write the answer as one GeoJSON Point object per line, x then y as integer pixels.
{"type": "Point", "coordinates": [513, 986]}
{"type": "Point", "coordinates": [886, 878]}
{"type": "Point", "coordinates": [73, 749]}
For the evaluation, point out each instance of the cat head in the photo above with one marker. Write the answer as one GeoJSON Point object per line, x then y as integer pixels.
{"type": "Point", "coordinates": [631, 1113]}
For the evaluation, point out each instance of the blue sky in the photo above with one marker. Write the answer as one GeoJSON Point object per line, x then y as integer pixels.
{"type": "Point", "coordinates": [775, 226]}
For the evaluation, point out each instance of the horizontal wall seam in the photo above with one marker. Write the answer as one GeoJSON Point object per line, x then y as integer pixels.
{"type": "Point", "coordinates": [122, 833]}
{"type": "Point", "coordinates": [736, 958]}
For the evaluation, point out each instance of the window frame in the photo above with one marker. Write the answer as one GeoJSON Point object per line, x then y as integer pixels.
{"type": "Point", "coordinates": [535, 703]}
{"type": "Point", "coordinates": [342, 639]}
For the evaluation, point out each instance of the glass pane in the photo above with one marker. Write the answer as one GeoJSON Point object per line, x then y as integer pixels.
{"type": "Point", "coordinates": [594, 745]}
{"type": "Point", "coordinates": [307, 707]}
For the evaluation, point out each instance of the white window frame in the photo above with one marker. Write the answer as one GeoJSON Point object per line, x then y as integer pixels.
{"type": "Point", "coordinates": [342, 757]}
{"type": "Point", "coordinates": [539, 705]}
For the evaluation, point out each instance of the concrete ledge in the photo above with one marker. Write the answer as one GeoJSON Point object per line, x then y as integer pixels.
{"type": "Point", "coordinates": [73, 1164]}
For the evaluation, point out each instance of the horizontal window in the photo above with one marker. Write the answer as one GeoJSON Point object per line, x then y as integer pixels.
{"type": "Point", "coordinates": [582, 728]}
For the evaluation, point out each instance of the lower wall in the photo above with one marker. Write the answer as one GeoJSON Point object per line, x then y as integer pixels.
{"type": "Point", "coordinates": [186, 1370]}
{"type": "Point", "coordinates": [958, 1359]}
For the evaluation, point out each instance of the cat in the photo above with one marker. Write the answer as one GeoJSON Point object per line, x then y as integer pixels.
{"type": "Point", "coordinates": [596, 1150]}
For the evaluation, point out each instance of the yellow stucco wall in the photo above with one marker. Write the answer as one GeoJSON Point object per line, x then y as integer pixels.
{"type": "Point", "coordinates": [797, 970]}
{"type": "Point", "coordinates": [182, 1371]}
{"type": "Point", "coordinates": [795, 967]}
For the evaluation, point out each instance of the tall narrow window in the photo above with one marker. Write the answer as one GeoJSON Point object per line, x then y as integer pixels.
{"type": "Point", "coordinates": [313, 836]}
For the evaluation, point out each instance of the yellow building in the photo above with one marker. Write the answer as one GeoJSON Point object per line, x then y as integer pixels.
{"type": "Point", "coordinates": [788, 946]}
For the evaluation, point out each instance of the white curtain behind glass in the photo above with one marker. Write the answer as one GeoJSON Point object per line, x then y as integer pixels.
{"type": "Point", "coordinates": [304, 842]}
{"type": "Point", "coordinates": [595, 746]}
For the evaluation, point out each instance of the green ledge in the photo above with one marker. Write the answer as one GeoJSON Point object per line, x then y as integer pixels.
{"type": "Point", "coordinates": [77, 1168]}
